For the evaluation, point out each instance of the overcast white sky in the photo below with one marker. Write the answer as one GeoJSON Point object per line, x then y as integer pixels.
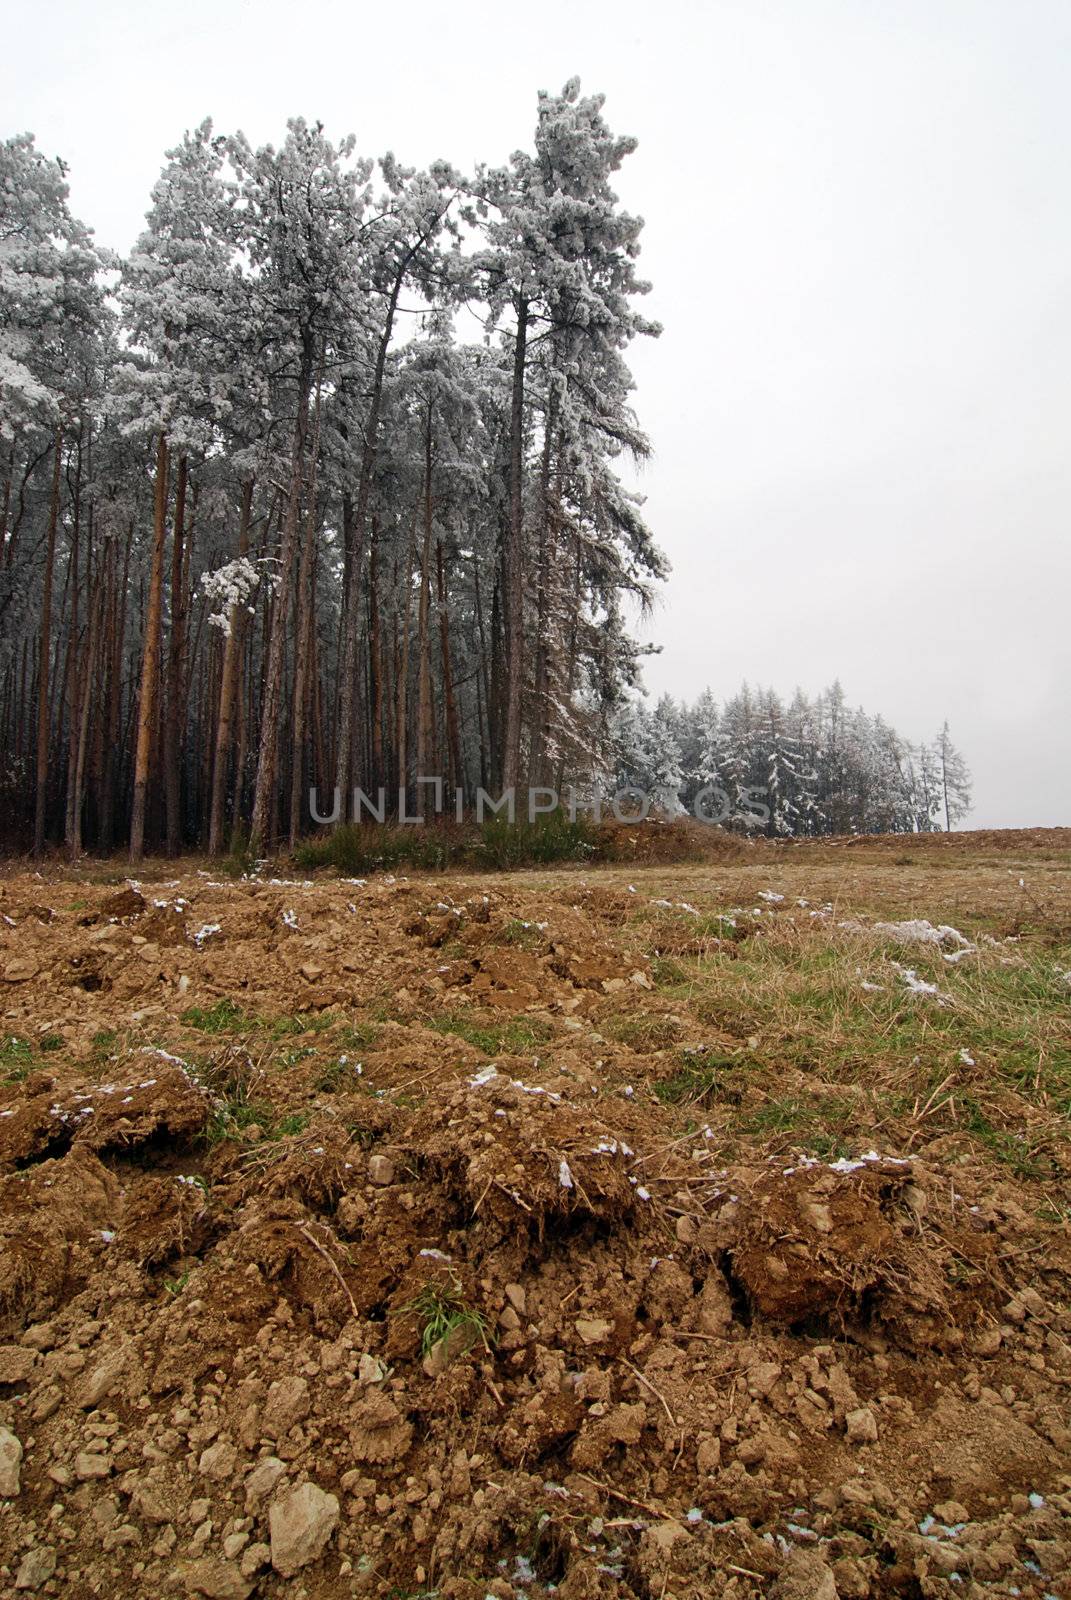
{"type": "Point", "coordinates": [859, 235]}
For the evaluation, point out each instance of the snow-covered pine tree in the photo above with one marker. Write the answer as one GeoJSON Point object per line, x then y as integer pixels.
{"type": "Point", "coordinates": [397, 248]}
{"type": "Point", "coordinates": [185, 374]}
{"type": "Point", "coordinates": [666, 771]}
{"type": "Point", "coordinates": [740, 755]}
{"type": "Point", "coordinates": [559, 260]}
{"type": "Point", "coordinates": [53, 332]}
{"type": "Point", "coordinates": [954, 779]}
{"type": "Point", "coordinates": [785, 779]}
{"type": "Point", "coordinates": [299, 211]}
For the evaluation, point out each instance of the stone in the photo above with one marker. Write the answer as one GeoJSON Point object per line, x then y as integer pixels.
{"type": "Point", "coordinates": [752, 1451]}
{"type": "Point", "coordinates": [255, 1559]}
{"type": "Point", "coordinates": [36, 1567]}
{"type": "Point", "coordinates": [16, 1363]}
{"type": "Point", "coordinates": [762, 1377]}
{"type": "Point", "coordinates": [664, 1535]}
{"type": "Point", "coordinates": [125, 1533]}
{"type": "Point", "coordinates": [164, 1545]}
{"type": "Point", "coordinates": [625, 1423]}
{"type": "Point", "coordinates": [262, 1480]}
{"type": "Point", "coordinates": [10, 1464]}
{"type": "Point", "coordinates": [147, 1503]}
{"type": "Point", "coordinates": [593, 1330]}
{"type": "Point", "coordinates": [301, 1525]}
{"type": "Point", "coordinates": [380, 1170]}
{"type": "Point", "coordinates": [216, 1579]}
{"type": "Point", "coordinates": [288, 1403]}
{"type": "Point", "coordinates": [201, 1536]}
{"type": "Point", "coordinates": [805, 1576]}
{"type": "Point", "coordinates": [447, 1349]}
{"type": "Point", "coordinates": [40, 1336]}
{"type": "Point", "coordinates": [100, 1382]}
{"type": "Point", "coordinates": [46, 1402]}
{"type": "Point", "coordinates": [861, 1426]}
{"type": "Point", "coordinates": [218, 1461]}
{"type": "Point", "coordinates": [21, 970]}
{"type": "Point", "coordinates": [91, 1464]}
{"type": "Point", "coordinates": [370, 1369]}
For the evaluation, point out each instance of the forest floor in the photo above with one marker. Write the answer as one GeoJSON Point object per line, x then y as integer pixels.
{"type": "Point", "coordinates": [652, 1230]}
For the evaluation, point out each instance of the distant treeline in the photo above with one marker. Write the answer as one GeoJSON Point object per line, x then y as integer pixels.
{"type": "Point", "coordinates": [809, 767]}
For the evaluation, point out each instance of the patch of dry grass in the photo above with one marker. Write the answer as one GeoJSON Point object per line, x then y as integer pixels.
{"type": "Point", "coordinates": [849, 1034]}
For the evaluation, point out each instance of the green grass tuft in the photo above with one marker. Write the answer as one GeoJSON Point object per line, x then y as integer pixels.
{"type": "Point", "coordinates": [444, 1313]}
{"type": "Point", "coordinates": [494, 1038]}
{"type": "Point", "coordinates": [223, 1017]}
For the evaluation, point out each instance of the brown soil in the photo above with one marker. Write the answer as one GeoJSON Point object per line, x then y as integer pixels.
{"type": "Point", "coordinates": [677, 1368]}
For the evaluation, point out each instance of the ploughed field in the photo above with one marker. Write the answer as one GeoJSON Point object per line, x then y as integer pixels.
{"type": "Point", "coordinates": [652, 1230]}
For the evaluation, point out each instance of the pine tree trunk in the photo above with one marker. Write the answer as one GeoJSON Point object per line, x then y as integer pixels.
{"type": "Point", "coordinates": [114, 701]}
{"type": "Point", "coordinates": [265, 795]}
{"type": "Point", "coordinates": [77, 682]}
{"type": "Point", "coordinates": [320, 764]}
{"type": "Point", "coordinates": [150, 658]}
{"type": "Point", "coordinates": [375, 657]}
{"type": "Point", "coordinates": [485, 702]}
{"type": "Point", "coordinates": [348, 669]}
{"type": "Point", "coordinates": [513, 565]}
{"type": "Point", "coordinates": [424, 720]}
{"type": "Point", "coordinates": [232, 655]}
{"type": "Point", "coordinates": [401, 735]}
{"type": "Point", "coordinates": [303, 641]}
{"type": "Point", "coordinates": [43, 704]}
{"type": "Point", "coordinates": [173, 725]}
{"type": "Point", "coordinates": [573, 654]}
{"type": "Point", "coordinates": [543, 580]}
{"type": "Point", "coordinates": [453, 731]}
{"type": "Point", "coordinates": [96, 617]}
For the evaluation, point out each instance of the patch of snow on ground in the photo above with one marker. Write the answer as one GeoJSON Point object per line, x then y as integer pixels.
{"type": "Point", "coordinates": [919, 931]}
{"type": "Point", "coordinates": [917, 985]}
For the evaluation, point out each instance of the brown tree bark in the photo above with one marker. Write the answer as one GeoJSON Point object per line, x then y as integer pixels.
{"type": "Point", "coordinates": [77, 683]}
{"type": "Point", "coordinates": [176, 642]}
{"type": "Point", "coordinates": [453, 730]}
{"type": "Point", "coordinates": [513, 562]}
{"type": "Point", "coordinates": [95, 619]}
{"type": "Point", "coordinates": [150, 658]}
{"type": "Point", "coordinates": [401, 730]}
{"type": "Point", "coordinates": [348, 668]}
{"type": "Point", "coordinates": [424, 718]}
{"type": "Point", "coordinates": [264, 795]}
{"type": "Point", "coordinates": [232, 655]}
{"type": "Point", "coordinates": [375, 657]}
{"type": "Point", "coordinates": [43, 713]}
{"type": "Point", "coordinates": [484, 701]}
{"type": "Point", "coordinates": [305, 624]}
{"type": "Point", "coordinates": [540, 729]}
